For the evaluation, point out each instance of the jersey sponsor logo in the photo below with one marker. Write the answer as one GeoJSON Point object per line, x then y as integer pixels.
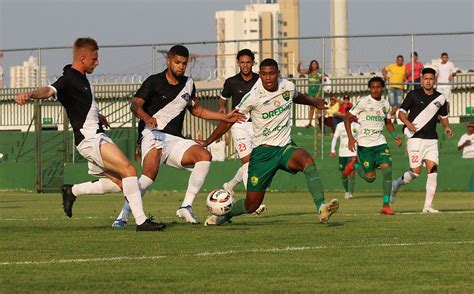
{"type": "Point", "coordinates": [276, 112]}
{"type": "Point", "coordinates": [286, 95]}
{"type": "Point", "coordinates": [267, 131]}
{"type": "Point", "coordinates": [374, 117]}
{"type": "Point", "coordinates": [254, 180]}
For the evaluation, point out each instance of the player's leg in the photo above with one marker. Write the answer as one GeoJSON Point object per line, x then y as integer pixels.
{"type": "Point", "coordinates": [300, 160]}
{"type": "Point", "coordinates": [431, 159]}
{"type": "Point", "coordinates": [383, 159]}
{"type": "Point", "coordinates": [116, 162]}
{"type": "Point", "coordinates": [242, 134]}
{"type": "Point", "coordinates": [363, 164]}
{"type": "Point", "coordinates": [199, 159]}
{"type": "Point", "coordinates": [415, 158]}
{"type": "Point", "coordinates": [311, 115]}
{"type": "Point", "coordinates": [150, 166]}
{"type": "Point", "coordinates": [347, 180]}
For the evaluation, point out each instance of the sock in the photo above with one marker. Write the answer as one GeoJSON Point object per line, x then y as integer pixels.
{"type": "Point", "coordinates": [431, 183]}
{"type": "Point", "coordinates": [131, 191]}
{"type": "Point", "coordinates": [237, 209]}
{"type": "Point", "coordinates": [360, 170]}
{"type": "Point", "coordinates": [406, 178]}
{"type": "Point", "coordinates": [245, 174]}
{"type": "Point", "coordinates": [143, 183]}
{"type": "Point", "coordinates": [386, 185]}
{"type": "Point", "coordinates": [350, 184]}
{"type": "Point", "coordinates": [196, 180]}
{"type": "Point", "coordinates": [235, 180]}
{"type": "Point", "coordinates": [345, 183]}
{"type": "Point", "coordinates": [315, 185]}
{"type": "Point", "coordinates": [101, 186]}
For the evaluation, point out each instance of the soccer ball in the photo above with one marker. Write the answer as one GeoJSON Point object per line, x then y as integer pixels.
{"type": "Point", "coordinates": [219, 202]}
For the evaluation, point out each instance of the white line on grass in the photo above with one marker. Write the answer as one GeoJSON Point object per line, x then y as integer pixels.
{"type": "Point", "coordinates": [173, 217]}
{"type": "Point", "coordinates": [228, 252]}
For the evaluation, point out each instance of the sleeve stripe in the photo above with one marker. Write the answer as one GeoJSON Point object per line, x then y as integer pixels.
{"type": "Point", "coordinates": [224, 98]}
{"type": "Point", "coordinates": [54, 89]}
{"type": "Point", "coordinates": [402, 110]}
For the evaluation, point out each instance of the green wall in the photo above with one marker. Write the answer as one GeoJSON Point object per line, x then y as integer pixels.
{"type": "Point", "coordinates": [455, 173]}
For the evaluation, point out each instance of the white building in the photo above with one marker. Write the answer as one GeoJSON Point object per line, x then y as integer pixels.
{"type": "Point", "coordinates": [28, 74]}
{"type": "Point", "coordinates": [258, 21]}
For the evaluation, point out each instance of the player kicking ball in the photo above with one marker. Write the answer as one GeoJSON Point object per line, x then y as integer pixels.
{"type": "Point", "coordinates": [372, 150]}
{"type": "Point", "coordinates": [270, 104]}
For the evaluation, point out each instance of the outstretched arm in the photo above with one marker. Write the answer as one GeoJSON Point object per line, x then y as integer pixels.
{"type": "Point", "coordinates": [40, 93]}
{"type": "Point", "coordinates": [307, 100]}
{"type": "Point", "coordinates": [202, 112]}
{"type": "Point", "coordinates": [221, 129]}
{"type": "Point", "coordinates": [137, 108]}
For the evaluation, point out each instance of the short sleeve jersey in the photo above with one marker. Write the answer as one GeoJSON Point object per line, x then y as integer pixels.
{"type": "Point", "coordinates": [467, 151]}
{"type": "Point", "coordinates": [236, 87]}
{"type": "Point", "coordinates": [397, 77]}
{"type": "Point", "coordinates": [414, 103]}
{"type": "Point", "coordinates": [270, 113]}
{"type": "Point", "coordinates": [371, 114]}
{"type": "Point", "coordinates": [167, 103]}
{"type": "Point", "coordinates": [444, 71]}
{"type": "Point", "coordinates": [341, 134]}
{"type": "Point", "coordinates": [75, 93]}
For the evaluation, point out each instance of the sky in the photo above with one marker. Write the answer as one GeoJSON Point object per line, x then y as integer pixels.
{"type": "Point", "coordinates": [51, 23]}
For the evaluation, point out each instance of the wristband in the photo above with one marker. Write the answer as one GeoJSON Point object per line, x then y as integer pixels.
{"type": "Point", "coordinates": [394, 134]}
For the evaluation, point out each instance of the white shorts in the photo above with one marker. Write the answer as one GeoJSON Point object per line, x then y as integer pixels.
{"type": "Point", "coordinates": [172, 147]}
{"type": "Point", "coordinates": [242, 134]}
{"type": "Point", "coordinates": [90, 149]}
{"type": "Point", "coordinates": [420, 150]}
{"type": "Point", "coordinates": [445, 90]}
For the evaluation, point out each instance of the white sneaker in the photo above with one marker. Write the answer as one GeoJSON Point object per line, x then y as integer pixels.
{"type": "Point", "coordinates": [226, 187]}
{"type": "Point", "coordinates": [328, 209]}
{"type": "Point", "coordinates": [215, 220]}
{"type": "Point", "coordinates": [186, 213]}
{"type": "Point", "coordinates": [393, 195]}
{"type": "Point", "coordinates": [347, 195]}
{"type": "Point", "coordinates": [260, 209]}
{"type": "Point", "coordinates": [430, 210]}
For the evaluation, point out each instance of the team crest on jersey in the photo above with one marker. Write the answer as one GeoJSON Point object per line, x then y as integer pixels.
{"type": "Point", "coordinates": [254, 180]}
{"type": "Point", "coordinates": [186, 97]}
{"type": "Point", "coordinates": [438, 105]}
{"type": "Point", "coordinates": [286, 95]}
{"type": "Point", "coordinates": [384, 109]}
{"type": "Point", "coordinates": [366, 163]}
{"type": "Point", "coordinates": [266, 132]}
{"type": "Point", "coordinates": [276, 103]}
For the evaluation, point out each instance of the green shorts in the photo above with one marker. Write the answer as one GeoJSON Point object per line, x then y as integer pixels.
{"type": "Point", "coordinates": [343, 161]}
{"type": "Point", "coordinates": [371, 157]}
{"type": "Point", "coordinates": [265, 161]}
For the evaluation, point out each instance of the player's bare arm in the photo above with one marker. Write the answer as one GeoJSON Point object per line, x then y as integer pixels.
{"type": "Point", "coordinates": [103, 121]}
{"type": "Point", "coordinates": [40, 93]}
{"type": "Point", "coordinates": [306, 100]}
{"type": "Point", "coordinates": [391, 130]}
{"type": "Point", "coordinates": [137, 108]}
{"type": "Point", "coordinates": [222, 105]}
{"type": "Point", "coordinates": [348, 118]}
{"type": "Point", "coordinates": [221, 129]}
{"type": "Point", "coordinates": [403, 117]}
{"type": "Point", "coordinates": [202, 112]}
{"type": "Point", "coordinates": [447, 130]}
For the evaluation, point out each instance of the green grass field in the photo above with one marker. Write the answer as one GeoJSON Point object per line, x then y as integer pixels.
{"type": "Point", "coordinates": [283, 250]}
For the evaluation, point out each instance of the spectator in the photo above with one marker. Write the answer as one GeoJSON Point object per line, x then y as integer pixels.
{"type": "Point", "coordinates": [345, 105]}
{"type": "Point", "coordinates": [332, 108]}
{"type": "Point", "coordinates": [446, 73]}
{"type": "Point", "coordinates": [465, 144]}
{"type": "Point", "coordinates": [314, 84]}
{"type": "Point", "coordinates": [395, 80]}
{"type": "Point", "coordinates": [416, 77]}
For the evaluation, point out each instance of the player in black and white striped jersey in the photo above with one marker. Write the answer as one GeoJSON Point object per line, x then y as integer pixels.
{"type": "Point", "coordinates": [161, 104]}
{"type": "Point", "coordinates": [104, 158]}
{"type": "Point", "coordinates": [419, 112]}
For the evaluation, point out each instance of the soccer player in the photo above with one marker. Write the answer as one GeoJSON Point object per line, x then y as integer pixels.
{"type": "Point", "coordinates": [345, 155]}
{"type": "Point", "coordinates": [270, 104]}
{"type": "Point", "coordinates": [161, 104]}
{"type": "Point", "coordinates": [419, 112]}
{"type": "Point", "coordinates": [75, 93]}
{"type": "Point", "coordinates": [372, 150]}
{"type": "Point", "coordinates": [236, 87]}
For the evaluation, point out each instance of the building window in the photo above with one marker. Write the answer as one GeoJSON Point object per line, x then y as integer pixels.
{"type": "Point", "coordinates": [285, 23]}
{"type": "Point", "coordinates": [285, 34]}
{"type": "Point", "coordinates": [254, 31]}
